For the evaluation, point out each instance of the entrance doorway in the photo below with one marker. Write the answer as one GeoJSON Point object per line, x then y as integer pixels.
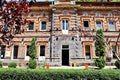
{"type": "Point", "coordinates": [87, 52]}
{"type": "Point", "coordinates": [65, 55]}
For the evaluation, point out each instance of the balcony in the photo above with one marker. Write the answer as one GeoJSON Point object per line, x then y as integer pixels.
{"type": "Point", "coordinates": [86, 28]}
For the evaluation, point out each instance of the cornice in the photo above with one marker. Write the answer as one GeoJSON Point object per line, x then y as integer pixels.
{"type": "Point", "coordinates": [74, 7]}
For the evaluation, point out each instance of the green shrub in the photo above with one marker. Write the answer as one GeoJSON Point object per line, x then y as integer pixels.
{"type": "Point", "coordinates": [58, 74]}
{"type": "Point", "coordinates": [12, 65]}
{"type": "Point", "coordinates": [32, 64]}
{"type": "Point", "coordinates": [1, 64]}
{"type": "Point", "coordinates": [100, 62]}
{"type": "Point", "coordinates": [117, 64]}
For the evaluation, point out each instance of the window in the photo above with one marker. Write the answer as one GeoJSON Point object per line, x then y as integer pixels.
{"type": "Point", "coordinates": [42, 50]}
{"type": "Point", "coordinates": [31, 26]}
{"type": "Point", "coordinates": [28, 46]}
{"type": "Point", "coordinates": [86, 25]}
{"type": "Point", "coordinates": [98, 25]}
{"type": "Point", "coordinates": [85, 14]}
{"type": "Point", "coordinates": [43, 25]}
{"type": "Point", "coordinates": [109, 14]}
{"type": "Point", "coordinates": [97, 14]}
{"type": "Point", "coordinates": [15, 53]}
{"type": "Point", "coordinates": [64, 13]}
{"type": "Point", "coordinates": [43, 14]}
{"type": "Point", "coordinates": [65, 25]}
{"type": "Point", "coordinates": [2, 51]}
{"type": "Point", "coordinates": [111, 25]}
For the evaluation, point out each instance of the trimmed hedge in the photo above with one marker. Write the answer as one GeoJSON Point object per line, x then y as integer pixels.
{"type": "Point", "coordinates": [36, 74]}
{"type": "Point", "coordinates": [1, 64]}
{"type": "Point", "coordinates": [12, 65]}
{"type": "Point", "coordinates": [32, 64]}
{"type": "Point", "coordinates": [117, 64]}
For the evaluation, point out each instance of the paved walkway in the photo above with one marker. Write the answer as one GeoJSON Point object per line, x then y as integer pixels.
{"type": "Point", "coordinates": [69, 67]}
{"type": "Point", "coordinates": [81, 67]}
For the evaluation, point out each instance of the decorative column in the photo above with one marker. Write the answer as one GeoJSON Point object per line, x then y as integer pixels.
{"type": "Point", "coordinates": [93, 50]}
{"type": "Point", "coordinates": [83, 49]}
{"type": "Point", "coordinates": [22, 49]}
{"type": "Point", "coordinates": [7, 52]}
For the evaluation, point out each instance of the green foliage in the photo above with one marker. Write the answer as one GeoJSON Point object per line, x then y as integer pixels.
{"type": "Point", "coordinates": [12, 65]}
{"type": "Point", "coordinates": [100, 44]}
{"type": "Point", "coordinates": [100, 49]}
{"type": "Point", "coordinates": [1, 64]}
{"type": "Point", "coordinates": [100, 62]}
{"type": "Point", "coordinates": [117, 64]}
{"type": "Point", "coordinates": [32, 64]}
{"type": "Point", "coordinates": [32, 51]}
{"type": "Point", "coordinates": [86, 0]}
{"type": "Point", "coordinates": [37, 74]}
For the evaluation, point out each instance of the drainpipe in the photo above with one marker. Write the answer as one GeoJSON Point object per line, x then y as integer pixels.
{"type": "Point", "coordinates": [51, 29]}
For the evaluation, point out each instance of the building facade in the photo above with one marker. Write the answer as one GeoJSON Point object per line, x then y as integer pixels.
{"type": "Point", "coordinates": [65, 32]}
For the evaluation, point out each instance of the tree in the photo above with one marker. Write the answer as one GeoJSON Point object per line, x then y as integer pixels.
{"type": "Point", "coordinates": [100, 49]}
{"type": "Point", "coordinates": [100, 44]}
{"type": "Point", "coordinates": [11, 19]}
{"type": "Point", "coordinates": [32, 51]}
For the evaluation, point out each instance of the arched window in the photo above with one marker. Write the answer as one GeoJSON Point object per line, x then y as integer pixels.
{"type": "Point", "coordinates": [85, 14]}
{"type": "Point", "coordinates": [97, 14]}
{"type": "Point", "coordinates": [109, 14]}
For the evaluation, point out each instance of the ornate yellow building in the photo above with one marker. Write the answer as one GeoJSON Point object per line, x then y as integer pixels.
{"type": "Point", "coordinates": [65, 32]}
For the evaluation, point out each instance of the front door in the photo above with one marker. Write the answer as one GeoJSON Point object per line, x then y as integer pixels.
{"type": "Point", "coordinates": [65, 55]}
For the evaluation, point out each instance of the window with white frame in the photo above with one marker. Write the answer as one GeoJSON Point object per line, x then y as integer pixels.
{"type": "Point", "coordinates": [43, 25]}
{"type": "Point", "coordinates": [98, 25]}
{"type": "Point", "coordinates": [111, 26]}
{"type": "Point", "coordinates": [85, 14]}
{"type": "Point", "coordinates": [98, 14]}
{"type": "Point", "coordinates": [31, 26]}
{"type": "Point", "coordinates": [65, 25]}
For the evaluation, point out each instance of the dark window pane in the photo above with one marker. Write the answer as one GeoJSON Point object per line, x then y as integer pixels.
{"type": "Point", "coordinates": [67, 25]}
{"type": "Point", "coordinates": [27, 50]}
{"type": "Point", "coordinates": [65, 46]}
{"type": "Point", "coordinates": [15, 54]}
{"type": "Point", "coordinates": [2, 51]}
{"type": "Point", "coordinates": [31, 26]}
{"type": "Point", "coordinates": [42, 50]}
{"type": "Point", "coordinates": [63, 25]}
{"type": "Point", "coordinates": [86, 25]}
{"type": "Point", "coordinates": [43, 26]}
